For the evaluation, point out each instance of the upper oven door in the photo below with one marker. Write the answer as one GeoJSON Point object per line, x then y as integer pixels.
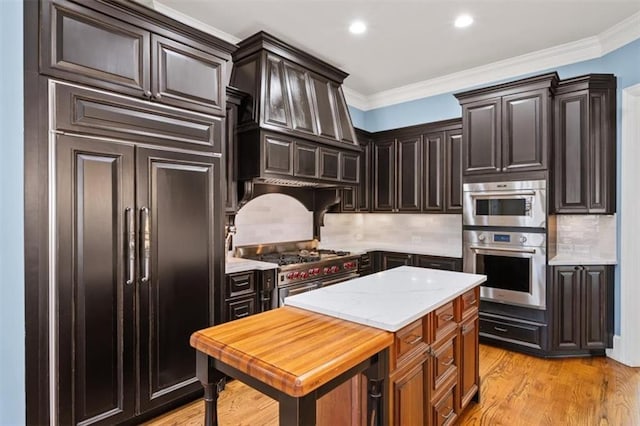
{"type": "Point", "coordinates": [518, 204]}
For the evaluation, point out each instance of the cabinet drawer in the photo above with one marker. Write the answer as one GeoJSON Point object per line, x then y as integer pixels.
{"type": "Point", "coordinates": [469, 303]}
{"type": "Point", "coordinates": [443, 320]}
{"type": "Point", "coordinates": [445, 364]}
{"type": "Point", "coordinates": [239, 285]}
{"type": "Point", "coordinates": [409, 341]}
{"type": "Point", "coordinates": [518, 332]}
{"type": "Point", "coordinates": [444, 263]}
{"type": "Point", "coordinates": [442, 410]}
{"type": "Point", "coordinates": [240, 308]}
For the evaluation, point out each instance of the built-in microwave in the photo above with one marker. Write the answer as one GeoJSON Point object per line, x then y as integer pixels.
{"type": "Point", "coordinates": [517, 203]}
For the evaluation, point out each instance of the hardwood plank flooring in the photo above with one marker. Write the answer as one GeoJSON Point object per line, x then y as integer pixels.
{"type": "Point", "coordinates": [516, 389]}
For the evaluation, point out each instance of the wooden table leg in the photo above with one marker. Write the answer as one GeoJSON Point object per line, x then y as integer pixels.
{"type": "Point", "coordinates": [377, 400]}
{"type": "Point", "coordinates": [206, 375]}
{"type": "Point", "coordinates": [298, 411]}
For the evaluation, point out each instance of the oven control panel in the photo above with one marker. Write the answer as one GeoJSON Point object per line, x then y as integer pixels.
{"type": "Point", "coordinates": [316, 270]}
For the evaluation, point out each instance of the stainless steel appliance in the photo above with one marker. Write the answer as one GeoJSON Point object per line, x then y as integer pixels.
{"type": "Point", "coordinates": [303, 266]}
{"type": "Point", "coordinates": [518, 203]}
{"type": "Point", "coordinates": [514, 263]}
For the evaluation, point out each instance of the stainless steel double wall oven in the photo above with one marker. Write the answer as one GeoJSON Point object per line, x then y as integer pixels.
{"type": "Point", "coordinates": [505, 238]}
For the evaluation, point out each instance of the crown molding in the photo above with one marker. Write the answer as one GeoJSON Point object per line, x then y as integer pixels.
{"type": "Point", "coordinates": [355, 99]}
{"type": "Point", "coordinates": [620, 34]}
{"type": "Point", "coordinates": [188, 20]}
{"type": "Point", "coordinates": [541, 60]}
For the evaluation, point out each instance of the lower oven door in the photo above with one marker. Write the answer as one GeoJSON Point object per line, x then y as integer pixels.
{"type": "Point", "coordinates": [296, 289]}
{"type": "Point", "coordinates": [515, 275]}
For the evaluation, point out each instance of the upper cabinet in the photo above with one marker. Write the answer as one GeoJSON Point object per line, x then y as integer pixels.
{"type": "Point", "coordinates": [584, 169]}
{"type": "Point", "coordinates": [506, 128]}
{"type": "Point", "coordinates": [357, 199]}
{"type": "Point", "coordinates": [108, 47]}
{"type": "Point", "coordinates": [418, 169]}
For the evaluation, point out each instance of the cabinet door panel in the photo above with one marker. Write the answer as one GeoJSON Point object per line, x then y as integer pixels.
{"type": "Point", "coordinates": [571, 156]}
{"type": "Point", "coordinates": [566, 302]}
{"type": "Point", "coordinates": [347, 134]}
{"type": "Point", "coordinates": [392, 260]}
{"type": "Point", "coordinates": [453, 171]}
{"type": "Point", "coordinates": [468, 356]}
{"type": "Point", "coordinates": [363, 192]}
{"type": "Point", "coordinates": [82, 45]}
{"type": "Point", "coordinates": [409, 395]}
{"type": "Point", "coordinates": [433, 179]}
{"type": "Point", "coordinates": [276, 108]}
{"type": "Point", "coordinates": [94, 186]}
{"type": "Point", "coordinates": [300, 99]}
{"type": "Point", "coordinates": [594, 303]}
{"type": "Point", "coordinates": [602, 186]}
{"type": "Point", "coordinates": [524, 131]}
{"type": "Point", "coordinates": [384, 176]}
{"type": "Point", "coordinates": [278, 156]}
{"type": "Point", "coordinates": [329, 164]}
{"type": "Point", "coordinates": [324, 108]}
{"type": "Point", "coordinates": [187, 77]}
{"type": "Point", "coordinates": [409, 174]}
{"type": "Point", "coordinates": [306, 160]}
{"type": "Point", "coordinates": [482, 139]}
{"type": "Point", "coordinates": [179, 191]}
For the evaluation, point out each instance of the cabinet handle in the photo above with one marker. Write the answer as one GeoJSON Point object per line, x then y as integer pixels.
{"type": "Point", "coordinates": [147, 94]}
{"type": "Point", "coordinates": [413, 341]}
{"type": "Point", "coordinates": [446, 318]}
{"type": "Point", "coordinates": [238, 316]}
{"type": "Point", "coordinates": [500, 329]}
{"type": "Point", "coordinates": [131, 245]}
{"type": "Point", "coordinates": [446, 416]}
{"type": "Point", "coordinates": [146, 243]}
{"type": "Point", "coordinates": [448, 362]}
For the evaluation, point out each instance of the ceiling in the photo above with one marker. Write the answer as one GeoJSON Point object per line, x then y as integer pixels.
{"type": "Point", "coordinates": [409, 41]}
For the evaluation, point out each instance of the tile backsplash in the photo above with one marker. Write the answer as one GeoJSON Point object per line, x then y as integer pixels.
{"type": "Point", "coordinates": [273, 218]}
{"type": "Point", "coordinates": [423, 230]}
{"type": "Point", "coordinates": [586, 235]}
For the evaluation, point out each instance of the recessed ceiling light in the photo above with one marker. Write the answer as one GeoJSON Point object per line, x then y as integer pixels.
{"type": "Point", "coordinates": [357, 27]}
{"type": "Point", "coordinates": [463, 21]}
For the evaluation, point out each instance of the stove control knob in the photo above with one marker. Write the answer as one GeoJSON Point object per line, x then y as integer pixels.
{"type": "Point", "coordinates": [290, 275]}
{"type": "Point", "coordinates": [303, 275]}
{"type": "Point", "coordinates": [523, 239]}
{"type": "Point", "coordinates": [482, 237]}
{"type": "Point", "coordinates": [311, 271]}
{"type": "Point", "coordinates": [296, 274]}
{"type": "Point", "coordinates": [334, 269]}
{"type": "Point", "coordinates": [326, 270]}
{"type": "Point", "coordinates": [316, 271]}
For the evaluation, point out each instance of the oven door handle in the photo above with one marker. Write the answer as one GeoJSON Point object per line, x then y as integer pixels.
{"type": "Point", "coordinates": [500, 193]}
{"type": "Point", "coordinates": [503, 249]}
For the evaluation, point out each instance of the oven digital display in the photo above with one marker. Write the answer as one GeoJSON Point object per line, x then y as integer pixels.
{"type": "Point", "coordinates": [501, 238]}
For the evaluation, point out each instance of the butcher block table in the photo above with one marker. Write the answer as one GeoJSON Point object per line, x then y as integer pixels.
{"type": "Point", "coordinates": [293, 356]}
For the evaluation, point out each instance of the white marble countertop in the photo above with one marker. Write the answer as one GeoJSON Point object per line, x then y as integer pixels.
{"type": "Point", "coordinates": [390, 299]}
{"type": "Point", "coordinates": [237, 264]}
{"type": "Point", "coordinates": [365, 246]}
{"type": "Point", "coordinates": [581, 259]}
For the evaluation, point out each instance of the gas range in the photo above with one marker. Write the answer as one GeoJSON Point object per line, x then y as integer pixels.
{"type": "Point", "coordinates": [302, 262]}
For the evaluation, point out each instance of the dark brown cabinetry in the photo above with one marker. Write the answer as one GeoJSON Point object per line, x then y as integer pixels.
{"type": "Point", "coordinates": [124, 236]}
{"type": "Point", "coordinates": [393, 260]}
{"type": "Point", "coordinates": [507, 128]}
{"type": "Point", "coordinates": [356, 199]}
{"type": "Point", "coordinates": [582, 309]}
{"type": "Point", "coordinates": [247, 293]}
{"type": "Point", "coordinates": [143, 59]}
{"type": "Point", "coordinates": [387, 260]}
{"type": "Point", "coordinates": [397, 172]}
{"type": "Point", "coordinates": [585, 145]}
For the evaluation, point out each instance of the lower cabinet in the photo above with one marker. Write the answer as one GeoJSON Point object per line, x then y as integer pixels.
{"type": "Point", "coordinates": [433, 365]}
{"type": "Point", "coordinates": [387, 260]}
{"type": "Point", "coordinates": [582, 309]}
{"type": "Point", "coordinates": [247, 293]}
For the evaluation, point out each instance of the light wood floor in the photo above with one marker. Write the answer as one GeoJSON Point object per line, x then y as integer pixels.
{"type": "Point", "coordinates": [516, 389]}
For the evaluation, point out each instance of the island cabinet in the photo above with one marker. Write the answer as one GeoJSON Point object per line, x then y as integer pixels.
{"type": "Point", "coordinates": [584, 172]}
{"type": "Point", "coordinates": [433, 365]}
{"type": "Point", "coordinates": [582, 309]}
{"type": "Point", "coordinates": [507, 128]}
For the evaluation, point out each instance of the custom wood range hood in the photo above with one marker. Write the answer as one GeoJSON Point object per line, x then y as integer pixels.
{"type": "Point", "coordinates": [295, 129]}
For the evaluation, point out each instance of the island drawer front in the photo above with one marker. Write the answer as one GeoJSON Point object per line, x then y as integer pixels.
{"type": "Point", "coordinates": [240, 284]}
{"type": "Point", "coordinates": [521, 333]}
{"type": "Point", "coordinates": [240, 308]}
{"type": "Point", "coordinates": [445, 364]}
{"type": "Point", "coordinates": [409, 341]}
{"type": "Point", "coordinates": [469, 302]}
{"type": "Point", "coordinates": [443, 320]}
{"type": "Point", "coordinates": [442, 408]}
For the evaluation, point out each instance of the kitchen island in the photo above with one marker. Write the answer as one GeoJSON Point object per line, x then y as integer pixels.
{"type": "Point", "coordinates": [417, 348]}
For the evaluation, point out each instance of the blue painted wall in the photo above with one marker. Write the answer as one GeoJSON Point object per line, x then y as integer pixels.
{"type": "Point", "coordinates": [12, 390]}
{"type": "Point", "coordinates": [623, 62]}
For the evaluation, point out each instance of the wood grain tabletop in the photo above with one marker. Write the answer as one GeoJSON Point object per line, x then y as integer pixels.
{"type": "Point", "coordinates": [290, 349]}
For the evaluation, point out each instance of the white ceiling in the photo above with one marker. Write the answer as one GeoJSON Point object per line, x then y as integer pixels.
{"type": "Point", "coordinates": [409, 41]}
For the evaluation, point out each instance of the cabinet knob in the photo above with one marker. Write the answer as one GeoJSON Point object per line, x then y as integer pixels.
{"type": "Point", "coordinates": [147, 94]}
{"type": "Point", "coordinates": [157, 96]}
{"type": "Point", "coordinates": [497, 169]}
{"type": "Point", "coordinates": [504, 169]}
